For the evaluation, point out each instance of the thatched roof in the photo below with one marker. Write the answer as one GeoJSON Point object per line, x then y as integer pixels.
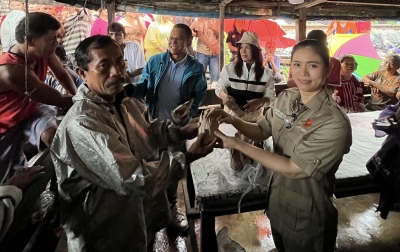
{"type": "Point", "coordinates": [325, 9]}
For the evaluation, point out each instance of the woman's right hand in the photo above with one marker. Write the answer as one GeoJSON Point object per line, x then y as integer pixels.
{"type": "Point", "coordinates": [225, 118]}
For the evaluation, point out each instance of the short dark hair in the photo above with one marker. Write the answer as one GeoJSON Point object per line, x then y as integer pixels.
{"type": "Point", "coordinates": [39, 24]}
{"type": "Point", "coordinates": [60, 52]}
{"type": "Point", "coordinates": [318, 48]}
{"type": "Point", "coordinates": [83, 55]}
{"type": "Point", "coordinates": [186, 29]}
{"type": "Point", "coordinates": [318, 35]}
{"type": "Point", "coordinates": [348, 56]}
{"type": "Point", "coordinates": [116, 27]}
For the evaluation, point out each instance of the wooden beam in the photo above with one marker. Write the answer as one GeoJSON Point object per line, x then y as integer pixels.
{"type": "Point", "coordinates": [111, 11]}
{"type": "Point", "coordinates": [368, 3]}
{"type": "Point", "coordinates": [301, 26]}
{"type": "Point", "coordinates": [309, 3]}
{"type": "Point", "coordinates": [221, 33]}
{"type": "Point", "coordinates": [354, 11]}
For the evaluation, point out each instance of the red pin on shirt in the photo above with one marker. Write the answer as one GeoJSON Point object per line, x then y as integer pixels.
{"type": "Point", "coordinates": [307, 123]}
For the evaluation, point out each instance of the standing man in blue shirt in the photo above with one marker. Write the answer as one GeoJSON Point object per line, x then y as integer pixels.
{"type": "Point", "coordinates": [168, 80]}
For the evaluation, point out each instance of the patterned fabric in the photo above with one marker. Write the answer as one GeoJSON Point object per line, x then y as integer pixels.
{"type": "Point", "coordinates": [4, 10]}
{"type": "Point", "coordinates": [349, 95]}
{"type": "Point", "coordinates": [77, 29]}
{"type": "Point", "coordinates": [378, 99]}
{"type": "Point", "coordinates": [132, 31]}
{"type": "Point", "coordinates": [205, 25]}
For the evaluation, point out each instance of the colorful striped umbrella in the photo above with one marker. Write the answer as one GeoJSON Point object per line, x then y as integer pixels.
{"type": "Point", "coordinates": [360, 47]}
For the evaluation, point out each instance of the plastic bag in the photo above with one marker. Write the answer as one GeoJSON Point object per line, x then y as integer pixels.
{"type": "Point", "coordinates": [246, 178]}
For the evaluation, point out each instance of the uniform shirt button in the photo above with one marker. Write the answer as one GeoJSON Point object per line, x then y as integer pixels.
{"type": "Point", "coordinates": [316, 161]}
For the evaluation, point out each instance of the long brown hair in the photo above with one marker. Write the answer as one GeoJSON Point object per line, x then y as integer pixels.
{"type": "Point", "coordinates": [256, 56]}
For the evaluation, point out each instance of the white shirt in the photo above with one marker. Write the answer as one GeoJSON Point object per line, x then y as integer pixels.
{"type": "Point", "coordinates": [8, 29]}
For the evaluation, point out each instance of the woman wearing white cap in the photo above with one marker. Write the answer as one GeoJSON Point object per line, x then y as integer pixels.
{"type": "Point", "coordinates": [245, 86]}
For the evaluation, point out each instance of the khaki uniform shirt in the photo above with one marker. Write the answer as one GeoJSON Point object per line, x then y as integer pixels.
{"type": "Point", "coordinates": [301, 210]}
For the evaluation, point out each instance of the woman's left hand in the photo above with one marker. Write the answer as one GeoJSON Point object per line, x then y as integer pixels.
{"type": "Point", "coordinates": [224, 141]}
{"type": "Point", "coordinates": [254, 104]}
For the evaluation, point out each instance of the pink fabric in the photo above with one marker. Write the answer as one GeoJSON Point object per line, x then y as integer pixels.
{"type": "Point", "coordinates": [99, 27]}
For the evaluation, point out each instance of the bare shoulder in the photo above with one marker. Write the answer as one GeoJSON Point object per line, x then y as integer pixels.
{"type": "Point", "coordinates": [10, 74]}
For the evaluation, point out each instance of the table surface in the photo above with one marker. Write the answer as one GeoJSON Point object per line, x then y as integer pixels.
{"type": "Point", "coordinates": [210, 184]}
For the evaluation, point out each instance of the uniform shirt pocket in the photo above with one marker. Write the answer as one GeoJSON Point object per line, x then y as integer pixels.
{"type": "Point", "coordinates": [296, 209]}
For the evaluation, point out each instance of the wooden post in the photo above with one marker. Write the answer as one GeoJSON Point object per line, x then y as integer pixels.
{"type": "Point", "coordinates": [221, 37]}
{"type": "Point", "coordinates": [301, 26]}
{"type": "Point", "coordinates": [111, 12]}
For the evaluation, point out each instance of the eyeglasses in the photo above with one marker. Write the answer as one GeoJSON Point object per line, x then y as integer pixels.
{"type": "Point", "coordinates": [289, 120]}
{"type": "Point", "coordinates": [178, 40]}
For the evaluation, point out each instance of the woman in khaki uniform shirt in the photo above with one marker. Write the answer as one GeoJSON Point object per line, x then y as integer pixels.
{"type": "Point", "coordinates": [311, 134]}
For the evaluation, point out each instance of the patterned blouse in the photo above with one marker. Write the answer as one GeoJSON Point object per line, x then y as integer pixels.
{"type": "Point", "coordinates": [349, 95]}
{"type": "Point", "coordinates": [378, 99]}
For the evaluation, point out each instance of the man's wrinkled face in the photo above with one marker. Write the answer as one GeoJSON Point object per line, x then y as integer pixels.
{"type": "Point", "coordinates": [15, 5]}
{"type": "Point", "coordinates": [105, 73]}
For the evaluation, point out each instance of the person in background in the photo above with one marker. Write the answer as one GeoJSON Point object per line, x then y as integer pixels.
{"type": "Point", "coordinates": [234, 36]}
{"type": "Point", "coordinates": [11, 195]}
{"type": "Point", "coordinates": [342, 27]}
{"type": "Point", "coordinates": [184, 20]}
{"type": "Point", "coordinates": [52, 10]}
{"type": "Point", "coordinates": [156, 38]}
{"type": "Point", "coordinates": [33, 8]}
{"type": "Point", "coordinates": [311, 135]}
{"type": "Point", "coordinates": [272, 61]}
{"type": "Point", "coordinates": [32, 117]}
{"type": "Point", "coordinates": [335, 66]}
{"type": "Point", "coordinates": [170, 79]}
{"type": "Point", "coordinates": [49, 9]}
{"type": "Point", "coordinates": [77, 27]}
{"type": "Point", "coordinates": [246, 82]}
{"type": "Point", "coordinates": [134, 27]}
{"type": "Point", "coordinates": [100, 25]}
{"type": "Point", "coordinates": [349, 95]}
{"type": "Point", "coordinates": [207, 52]}
{"type": "Point", "coordinates": [9, 23]}
{"type": "Point", "coordinates": [4, 7]}
{"type": "Point", "coordinates": [133, 53]}
{"type": "Point", "coordinates": [384, 84]}
{"type": "Point", "coordinates": [106, 153]}
{"type": "Point", "coordinates": [51, 79]}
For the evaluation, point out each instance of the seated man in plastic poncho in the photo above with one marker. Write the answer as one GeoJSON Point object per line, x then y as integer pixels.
{"type": "Point", "coordinates": [112, 177]}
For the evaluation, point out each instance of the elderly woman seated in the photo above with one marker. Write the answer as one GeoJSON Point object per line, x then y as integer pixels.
{"type": "Point", "coordinates": [349, 95]}
{"type": "Point", "coordinates": [384, 84]}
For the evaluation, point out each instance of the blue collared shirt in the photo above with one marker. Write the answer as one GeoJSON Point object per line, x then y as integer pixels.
{"type": "Point", "coordinates": [168, 93]}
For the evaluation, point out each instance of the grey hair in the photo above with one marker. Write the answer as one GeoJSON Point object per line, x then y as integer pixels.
{"type": "Point", "coordinates": [395, 58]}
